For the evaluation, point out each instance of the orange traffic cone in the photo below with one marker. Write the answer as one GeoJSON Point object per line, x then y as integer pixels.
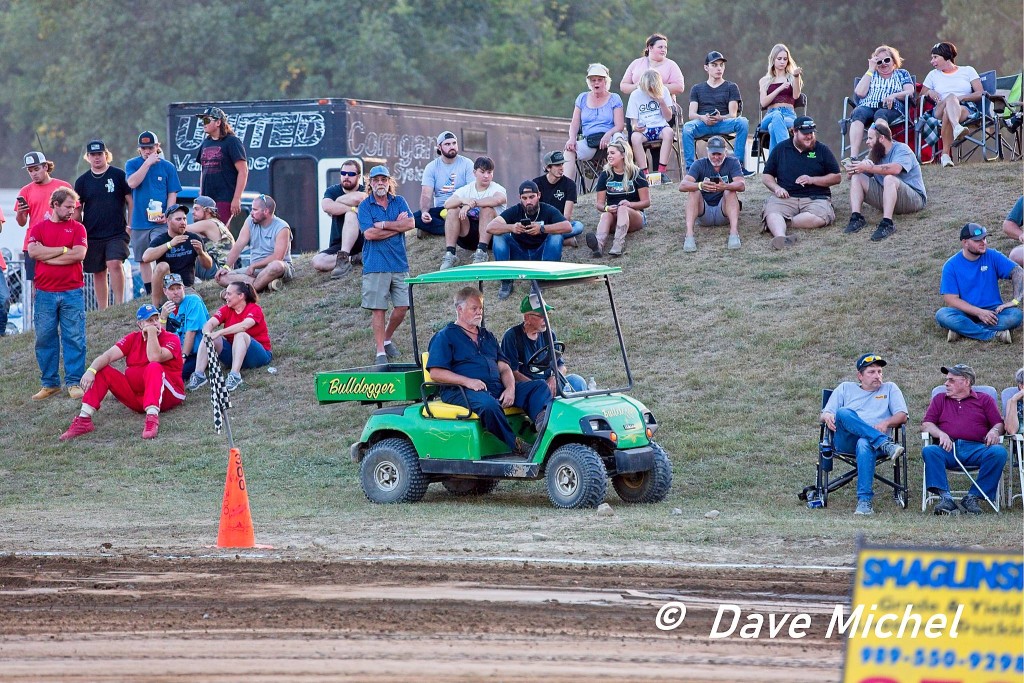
{"type": "Point", "coordinates": [235, 520]}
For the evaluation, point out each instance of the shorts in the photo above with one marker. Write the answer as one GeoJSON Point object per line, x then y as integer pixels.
{"type": "Point", "coordinates": [907, 198]}
{"type": "Point", "coordinates": [380, 288]}
{"type": "Point", "coordinates": [289, 271]}
{"type": "Point", "coordinates": [791, 206]}
{"type": "Point", "coordinates": [205, 274]}
{"type": "Point", "coordinates": [100, 251]}
{"type": "Point", "coordinates": [472, 237]}
{"type": "Point", "coordinates": [868, 115]}
{"type": "Point", "coordinates": [583, 152]}
{"type": "Point", "coordinates": [140, 240]}
{"type": "Point", "coordinates": [255, 356]}
{"type": "Point", "coordinates": [436, 224]}
{"type": "Point", "coordinates": [713, 215]}
{"type": "Point", "coordinates": [653, 134]}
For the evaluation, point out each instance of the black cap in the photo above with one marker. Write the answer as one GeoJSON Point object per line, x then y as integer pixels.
{"type": "Point", "coordinates": [528, 186]}
{"type": "Point", "coordinates": [804, 124]}
{"type": "Point", "coordinates": [870, 359]}
{"type": "Point", "coordinates": [714, 56]}
{"type": "Point", "coordinates": [147, 138]}
{"type": "Point", "coordinates": [95, 146]}
{"type": "Point", "coordinates": [554, 158]}
{"type": "Point", "coordinates": [973, 231]}
{"type": "Point", "coordinates": [175, 207]}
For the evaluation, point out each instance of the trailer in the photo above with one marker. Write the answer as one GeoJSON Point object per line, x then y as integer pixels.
{"type": "Point", "coordinates": [295, 148]}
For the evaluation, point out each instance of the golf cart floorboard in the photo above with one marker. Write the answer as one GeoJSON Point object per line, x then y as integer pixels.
{"type": "Point", "coordinates": [506, 466]}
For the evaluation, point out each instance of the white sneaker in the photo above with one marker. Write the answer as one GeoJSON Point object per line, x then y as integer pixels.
{"type": "Point", "coordinates": [946, 161]}
{"type": "Point", "coordinates": [449, 260]}
{"type": "Point", "coordinates": [480, 256]}
{"type": "Point", "coordinates": [959, 132]}
{"type": "Point", "coordinates": [1004, 336]}
{"type": "Point", "coordinates": [952, 336]}
{"type": "Point", "coordinates": [734, 242]}
{"type": "Point", "coordinates": [689, 244]}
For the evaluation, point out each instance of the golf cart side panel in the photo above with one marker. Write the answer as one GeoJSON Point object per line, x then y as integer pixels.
{"type": "Point", "coordinates": [373, 384]}
{"type": "Point", "coordinates": [616, 413]}
{"type": "Point", "coordinates": [436, 438]}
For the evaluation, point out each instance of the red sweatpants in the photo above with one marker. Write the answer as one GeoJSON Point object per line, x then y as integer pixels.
{"type": "Point", "coordinates": [138, 388]}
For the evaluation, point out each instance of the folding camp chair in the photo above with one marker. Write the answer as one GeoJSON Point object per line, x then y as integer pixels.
{"type": "Point", "coordinates": [761, 139]}
{"type": "Point", "coordinates": [816, 496]}
{"type": "Point", "coordinates": [928, 440]}
{"type": "Point", "coordinates": [1015, 448]}
{"type": "Point", "coordinates": [1007, 103]}
{"type": "Point", "coordinates": [983, 128]}
{"type": "Point", "coordinates": [901, 127]}
{"type": "Point", "coordinates": [588, 170]}
{"type": "Point", "coordinates": [654, 147]}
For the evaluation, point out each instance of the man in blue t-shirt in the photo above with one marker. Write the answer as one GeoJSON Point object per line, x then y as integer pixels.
{"type": "Point", "coordinates": [529, 231]}
{"type": "Point", "coordinates": [1012, 228]}
{"type": "Point", "coordinates": [152, 179]}
{"type": "Point", "coordinates": [384, 218]}
{"type": "Point", "coordinates": [713, 183]}
{"type": "Point", "coordinates": [861, 414]}
{"type": "Point", "coordinates": [970, 290]}
{"type": "Point", "coordinates": [465, 354]}
{"type": "Point", "coordinates": [184, 315]}
{"type": "Point", "coordinates": [441, 177]}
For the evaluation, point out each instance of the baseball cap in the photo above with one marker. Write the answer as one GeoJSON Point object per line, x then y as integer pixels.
{"type": "Point", "coordinates": [804, 124]}
{"type": "Point", "coordinates": [716, 143]}
{"type": "Point", "coordinates": [212, 112]}
{"type": "Point", "coordinates": [528, 186]}
{"type": "Point", "coordinates": [714, 56]}
{"type": "Point", "coordinates": [960, 370]}
{"type": "Point", "coordinates": [446, 135]}
{"type": "Point", "coordinates": [554, 158]}
{"type": "Point", "coordinates": [205, 202]}
{"type": "Point", "coordinates": [973, 231]}
{"type": "Point", "coordinates": [147, 138]}
{"type": "Point", "coordinates": [870, 359]}
{"type": "Point", "coordinates": [34, 159]}
{"type": "Point", "coordinates": [146, 311]}
{"type": "Point", "coordinates": [377, 171]}
{"type": "Point", "coordinates": [172, 279]}
{"type": "Point", "coordinates": [598, 70]}
{"type": "Point", "coordinates": [175, 207]}
{"type": "Point", "coordinates": [531, 303]}
{"type": "Point", "coordinates": [95, 146]}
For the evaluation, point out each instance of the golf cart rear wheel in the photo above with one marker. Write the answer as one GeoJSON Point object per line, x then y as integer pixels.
{"type": "Point", "coordinates": [458, 486]}
{"type": "Point", "coordinates": [650, 486]}
{"type": "Point", "coordinates": [390, 473]}
{"type": "Point", "coordinates": [576, 477]}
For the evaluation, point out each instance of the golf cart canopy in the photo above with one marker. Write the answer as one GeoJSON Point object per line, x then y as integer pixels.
{"type": "Point", "coordinates": [516, 270]}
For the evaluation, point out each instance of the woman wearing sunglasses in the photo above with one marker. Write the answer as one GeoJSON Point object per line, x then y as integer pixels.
{"type": "Point", "coordinates": [884, 91]}
{"type": "Point", "coordinates": [224, 167]}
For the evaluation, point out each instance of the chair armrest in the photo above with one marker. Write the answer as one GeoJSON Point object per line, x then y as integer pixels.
{"type": "Point", "coordinates": [425, 395]}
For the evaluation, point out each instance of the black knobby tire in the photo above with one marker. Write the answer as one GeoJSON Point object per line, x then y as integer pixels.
{"type": "Point", "coordinates": [650, 486]}
{"type": "Point", "coordinates": [458, 486]}
{"type": "Point", "coordinates": [576, 477]}
{"type": "Point", "coordinates": [390, 473]}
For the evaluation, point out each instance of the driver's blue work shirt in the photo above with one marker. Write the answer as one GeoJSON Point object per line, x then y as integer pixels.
{"type": "Point", "coordinates": [452, 349]}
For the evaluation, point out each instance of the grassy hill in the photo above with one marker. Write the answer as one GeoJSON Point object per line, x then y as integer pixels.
{"type": "Point", "coordinates": [730, 349]}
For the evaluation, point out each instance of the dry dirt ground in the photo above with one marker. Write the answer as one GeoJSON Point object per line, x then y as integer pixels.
{"type": "Point", "coordinates": [139, 618]}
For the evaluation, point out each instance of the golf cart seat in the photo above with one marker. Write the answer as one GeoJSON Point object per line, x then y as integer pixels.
{"type": "Point", "coordinates": [436, 408]}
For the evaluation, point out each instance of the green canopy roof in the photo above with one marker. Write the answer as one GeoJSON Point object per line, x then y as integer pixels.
{"type": "Point", "coordinates": [516, 270]}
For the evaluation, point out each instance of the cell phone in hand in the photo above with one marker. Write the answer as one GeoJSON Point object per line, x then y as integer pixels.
{"type": "Point", "coordinates": [525, 222]}
{"type": "Point", "coordinates": [715, 178]}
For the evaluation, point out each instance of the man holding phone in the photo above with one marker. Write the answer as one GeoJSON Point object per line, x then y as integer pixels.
{"type": "Point", "coordinates": [715, 109]}
{"type": "Point", "coordinates": [713, 183]}
{"type": "Point", "coordinates": [529, 231]}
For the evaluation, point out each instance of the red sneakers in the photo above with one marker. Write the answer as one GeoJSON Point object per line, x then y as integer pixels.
{"type": "Point", "coordinates": [80, 425]}
{"type": "Point", "coordinates": [152, 427]}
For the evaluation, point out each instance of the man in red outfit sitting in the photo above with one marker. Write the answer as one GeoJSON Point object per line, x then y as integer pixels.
{"type": "Point", "coordinates": [150, 383]}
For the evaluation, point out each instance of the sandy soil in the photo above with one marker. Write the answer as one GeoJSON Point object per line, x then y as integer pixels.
{"type": "Point", "coordinates": [188, 618]}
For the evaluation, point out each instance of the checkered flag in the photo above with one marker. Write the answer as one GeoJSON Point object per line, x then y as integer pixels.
{"type": "Point", "coordinates": [219, 396]}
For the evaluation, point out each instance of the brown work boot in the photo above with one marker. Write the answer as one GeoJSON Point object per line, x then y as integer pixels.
{"type": "Point", "coordinates": [45, 393]}
{"type": "Point", "coordinates": [522, 448]}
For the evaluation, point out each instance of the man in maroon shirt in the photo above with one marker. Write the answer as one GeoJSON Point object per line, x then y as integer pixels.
{"type": "Point", "coordinates": [150, 383]}
{"type": "Point", "coordinates": [969, 428]}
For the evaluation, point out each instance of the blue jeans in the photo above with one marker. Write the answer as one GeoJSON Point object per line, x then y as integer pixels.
{"type": "Point", "coordinates": [576, 383]}
{"type": "Point", "coordinates": [5, 295]}
{"type": "Point", "coordinates": [989, 459]}
{"type": "Point", "coordinates": [533, 397]}
{"type": "Point", "coordinates": [507, 248]}
{"type": "Point", "coordinates": [777, 122]}
{"type": "Point", "coordinates": [577, 229]}
{"type": "Point", "coordinates": [255, 355]}
{"type": "Point", "coordinates": [697, 129]}
{"type": "Point", "coordinates": [854, 435]}
{"type": "Point", "coordinates": [66, 311]}
{"type": "Point", "coordinates": [950, 318]}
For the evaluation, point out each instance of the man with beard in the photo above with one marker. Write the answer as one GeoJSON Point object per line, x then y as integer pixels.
{"type": "Point", "coordinates": [222, 157]}
{"type": "Point", "coordinates": [58, 244]}
{"type": "Point", "coordinates": [970, 290]}
{"type": "Point", "coordinates": [152, 178]}
{"type": "Point", "coordinates": [799, 173]}
{"type": "Point", "coordinates": [106, 203]}
{"type": "Point", "coordinates": [889, 179]}
{"type": "Point", "coordinates": [559, 192]}
{"type": "Point", "coordinates": [529, 231]}
{"type": "Point", "coordinates": [176, 251]}
{"type": "Point", "coordinates": [861, 414]}
{"type": "Point", "coordinates": [270, 249]}
{"type": "Point", "coordinates": [441, 177]}
{"type": "Point", "coordinates": [384, 218]}
{"type": "Point", "coordinates": [340, 202]}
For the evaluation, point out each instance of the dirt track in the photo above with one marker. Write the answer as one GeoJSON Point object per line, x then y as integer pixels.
{"type": "Point", "coordinates": [192, 619]}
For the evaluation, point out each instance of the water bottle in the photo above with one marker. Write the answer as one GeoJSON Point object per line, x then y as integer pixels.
{"type": "Point", "coordinates": [592, 384]}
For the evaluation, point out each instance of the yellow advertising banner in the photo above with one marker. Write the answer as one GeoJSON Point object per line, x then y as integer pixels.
{"type": "Point", "coordinates": [935, 616]}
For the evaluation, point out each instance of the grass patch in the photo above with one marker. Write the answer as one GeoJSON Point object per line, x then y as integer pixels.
{"type": "Point", "coordinates": [729, 349]}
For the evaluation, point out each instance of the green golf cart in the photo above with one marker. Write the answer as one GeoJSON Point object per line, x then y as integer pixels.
{"type": "Point", "coordinates": [588, 436]}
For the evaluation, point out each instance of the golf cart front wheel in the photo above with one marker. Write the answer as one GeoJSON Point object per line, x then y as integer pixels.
{"type": "Point", "coordinates": [576, 477]}
{"type": "Point", "coordinates": [649, 486]}
{"type": "Point", "coordinates": [390, 473]}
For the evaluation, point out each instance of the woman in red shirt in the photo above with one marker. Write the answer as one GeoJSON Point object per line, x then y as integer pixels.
{"type": "Point", "coordinates": [242, 340]}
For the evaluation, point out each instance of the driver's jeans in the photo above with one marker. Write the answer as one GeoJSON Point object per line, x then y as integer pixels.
{"type": "Point", "coordinates": [532, 396]}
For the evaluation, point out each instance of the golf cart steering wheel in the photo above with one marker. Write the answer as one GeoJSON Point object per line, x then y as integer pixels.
{"type": "Point", "coordinates": [539, 362]}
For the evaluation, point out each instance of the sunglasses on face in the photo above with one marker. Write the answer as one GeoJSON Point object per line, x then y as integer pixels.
{"type": "Point", "coordinates": [883, 60]}
{"type": "Point", "coordinates": [208, 119]}
{"type": "Point", "coordinates": [348, 174]}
